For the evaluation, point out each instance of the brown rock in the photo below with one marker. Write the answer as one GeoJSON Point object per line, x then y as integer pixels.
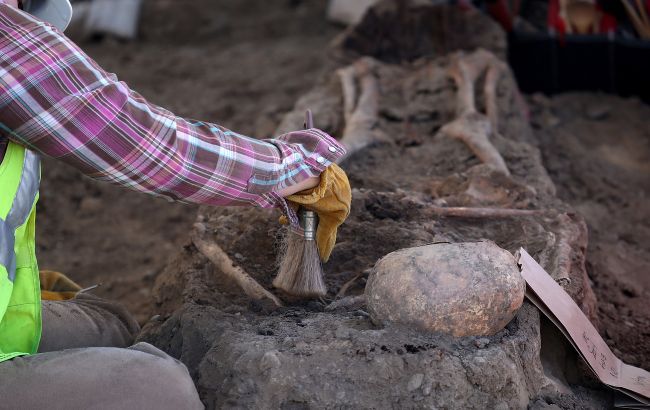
{"type": "Point", "coordinates": [461, 289]}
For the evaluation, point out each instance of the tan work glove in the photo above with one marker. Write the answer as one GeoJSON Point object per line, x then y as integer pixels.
{"type": "Point", "coordinates": [331, 201]}
{"type": "Point", "coordinates": [57, 286]}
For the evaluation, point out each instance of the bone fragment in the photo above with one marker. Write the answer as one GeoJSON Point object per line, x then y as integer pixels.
{"type": "Point", "coordinates": [347, 285]}
{"type": "Point", "coordinates": [473, 129]}
{"type": "Point", "coordinates": [349, 88]}
{"type": "Point", "coordinates": [465, 70]}
{"type": "Point", "coordinates": [492, 77]}
{"type": "Point", "coordinates": [466, 212]}
{"type": "Point", "coordinates": [470, 126]}
{"type": "Point", "coordinates": [347, 303]}
{"type": "Point", "coordinates": [361, 114]}
{"type": "Point", "coordinates": [222, 261]}
{"type": "Point", "coordinates": [566, 240]}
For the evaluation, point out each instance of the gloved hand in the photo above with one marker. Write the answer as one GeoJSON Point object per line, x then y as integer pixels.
{"type": "Point", "coordinates": [57, 286]}
{"type": "Point", "coordinates": [331, 201]}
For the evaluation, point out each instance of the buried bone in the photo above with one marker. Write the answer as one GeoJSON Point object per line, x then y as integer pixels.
{"type": "Point", "coordinates": [360, 113]}
{"type": "Point", "coordinates": [471, 127]}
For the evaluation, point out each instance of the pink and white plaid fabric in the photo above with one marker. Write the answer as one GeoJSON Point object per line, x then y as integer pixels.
{"type": "Point", "coordinates": [56, 100]}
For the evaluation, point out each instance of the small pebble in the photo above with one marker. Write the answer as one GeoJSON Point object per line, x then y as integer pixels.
{"type": "Point", "coordinates": [480, 361]}
{"type": "Point", "coordinates": [90, 205]}
{"type": "Point", "coordinates": [427, 390]}
{"type": "Point", "coordinates": [415, 382]}
{"type": "Point", "coordinates": [246, 386]}
{"type": "Point", "coordinates": [482, 342]}
{"type": "Point", "coordinates": [269, 360]}
{"type": "Point", "coordinates": [265, 332]}
{"type": "Point", "coordinates": [342, 333]}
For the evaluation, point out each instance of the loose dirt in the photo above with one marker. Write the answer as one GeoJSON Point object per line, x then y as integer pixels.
{"type": "Point", "coordinates": [596, 149]}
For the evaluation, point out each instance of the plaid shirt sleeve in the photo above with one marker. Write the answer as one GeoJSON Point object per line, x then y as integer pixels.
{"type": "Point", "coordinates": [57, 101]}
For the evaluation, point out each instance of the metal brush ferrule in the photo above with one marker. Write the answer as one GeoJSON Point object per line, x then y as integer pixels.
{"type": "Point", "coordinates": [309, 223]}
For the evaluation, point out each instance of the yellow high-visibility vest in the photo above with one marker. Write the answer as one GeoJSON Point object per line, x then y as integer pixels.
{"type": "Point", "coordinates": [20, 297]}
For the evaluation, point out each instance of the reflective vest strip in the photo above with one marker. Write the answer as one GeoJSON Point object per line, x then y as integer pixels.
{"type": "Point", "coordinates": [19, 211]}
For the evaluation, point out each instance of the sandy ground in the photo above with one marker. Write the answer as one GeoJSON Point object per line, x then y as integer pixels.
{"type": "Point", "coordinates": [242, 65]}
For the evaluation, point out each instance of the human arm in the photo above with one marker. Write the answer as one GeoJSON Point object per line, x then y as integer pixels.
{"type": "Point", "coordinates": [57, 101]}
{"type": "Point", "coordinates": [308, 183]}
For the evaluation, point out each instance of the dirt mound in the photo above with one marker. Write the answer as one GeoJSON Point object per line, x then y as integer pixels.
{"type": "Point", "coordinates": [243, 353]}
{"type": "Point", "coordinates": [299, 358]}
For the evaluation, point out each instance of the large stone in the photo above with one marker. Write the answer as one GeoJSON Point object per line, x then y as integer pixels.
{"type": "Point", "coordinates": [461, 289]}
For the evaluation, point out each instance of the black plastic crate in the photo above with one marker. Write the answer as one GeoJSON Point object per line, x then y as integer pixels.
{"type": "Point", "coordinates": [549, 64]}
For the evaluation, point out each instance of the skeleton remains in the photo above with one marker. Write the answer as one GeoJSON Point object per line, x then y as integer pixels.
{"type": "Point", "coordinates": [430, 161]}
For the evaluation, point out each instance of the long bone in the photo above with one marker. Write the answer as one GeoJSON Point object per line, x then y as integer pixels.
{"type": "Point", "coordinates": [472, 127]}
{"type": "Point", "coordinates": [361, 114]}
{"type": "Point", "coordinates": [227, 266]}
{"type": "Point", "coordinates": [494, 71]}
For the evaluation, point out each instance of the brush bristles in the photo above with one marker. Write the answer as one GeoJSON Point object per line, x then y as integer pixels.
{"type": "Point", "coordinates": [300, 272]}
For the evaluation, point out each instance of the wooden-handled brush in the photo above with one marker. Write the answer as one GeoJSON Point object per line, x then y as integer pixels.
{"type": "Point", "coordinates": [300, 272]}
